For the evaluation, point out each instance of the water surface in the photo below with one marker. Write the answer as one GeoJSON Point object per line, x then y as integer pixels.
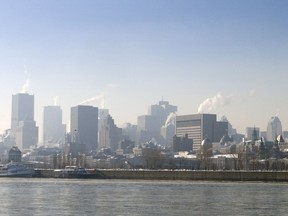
{"type": "Point", "coordinates": [20, 196]}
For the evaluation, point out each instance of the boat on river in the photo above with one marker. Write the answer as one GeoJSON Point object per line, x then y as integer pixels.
{"type": "Point", "coordinates": [73, 172]}
{"type": "Point", "coordinates": [14, 169]}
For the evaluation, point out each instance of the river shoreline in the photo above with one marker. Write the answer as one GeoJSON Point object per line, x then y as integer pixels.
{"type": "Point", "coordinates": [178, 175]}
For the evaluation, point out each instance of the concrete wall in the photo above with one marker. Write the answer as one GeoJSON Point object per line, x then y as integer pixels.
{"type": "Point", "coordinates": [182, 175]}
{"type": "Point", "coordinates": [197, 175]}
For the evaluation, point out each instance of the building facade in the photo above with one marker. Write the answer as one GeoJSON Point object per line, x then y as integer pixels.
{"type": "Point", "coordinates": [23, 127]}
{"type": "Point", "coordinates": [149, 126]}
{"type": "Point", "coordinates": [27, 135]}
{"type": "Point", "coordinates": [53, 129]}
{"type": "Point", "coordinates": [110, 135]}
{"type": "Point", "coordinates": [274, 128]}
{"type": "Point", "coordinates": [84, 127]}
{"type": "Point", "coordinates": [22, 109]}
{"type": "Point", "coordinates": [252, 133]}
{"type": "Point", "coordinates": [182, 143]}
{"type": "Point", "coordinates": [200, 126]}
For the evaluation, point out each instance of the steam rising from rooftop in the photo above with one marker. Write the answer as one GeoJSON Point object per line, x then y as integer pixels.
{"type": "Point", "coordinates": [171, 119]}
{"type": "Point", "coordinates": [25, 86]}
{"type": "Point", "coordinates": [56, 101]}
{"type": "Point", "coordinates": [99, 98]}
{"type": "Point", "coordinates": [213, 103]}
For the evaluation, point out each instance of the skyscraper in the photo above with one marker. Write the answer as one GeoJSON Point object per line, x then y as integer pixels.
{"type": "Point", "coordinates": [22, 109]}
{"type": "Point", "coordinates": [161, 111]}
{"type": "Point", "coordinates": [84, 127]}
{"type": "Point", "coordinates": [27, 134]}
{"type": "Point", "coordinates": [274, 128]}
{"type": "Point", "coordinates": [102, 115]}
{"type": "Point", "coordinates": [200, 126]}
{"type": "Point", "coordinates": [149, 126]}
{"type": "Point", "coordinates": [250, 133]}
{"type": "Point", "coordinates": [23, 126]}
{"type": "Point", "coordinates": [53, 129]}
{"type": "Point", "coordinates": [110, 135]}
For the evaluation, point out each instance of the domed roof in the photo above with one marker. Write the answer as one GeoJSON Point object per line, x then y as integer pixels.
{"type": "Point", "coordinates": [15, 150]}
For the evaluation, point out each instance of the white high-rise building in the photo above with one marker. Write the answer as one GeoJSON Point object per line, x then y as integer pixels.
{"type": "Point", "coordinates": [274, 128]}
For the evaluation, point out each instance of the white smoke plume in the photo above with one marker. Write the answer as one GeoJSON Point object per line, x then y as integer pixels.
{"type": "Point", "coordinates": [56, 101]}
{"type": "Point", "coordinates": [99, 98]}
{"type": "Point", "coordinates": [171, 119]}
{"type": "Point", "coordinates": [213, 103]}
{"type": "Point", "coordinates": [112, 85]}
{"type": "Point", "coordinates": [25, 86]}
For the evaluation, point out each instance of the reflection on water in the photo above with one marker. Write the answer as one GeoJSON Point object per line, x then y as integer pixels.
{"type": "Point", "coordinates": [124, 197]}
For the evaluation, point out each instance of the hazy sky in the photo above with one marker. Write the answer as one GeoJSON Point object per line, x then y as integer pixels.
{"type": "Point", "coordinates": [132, 53]}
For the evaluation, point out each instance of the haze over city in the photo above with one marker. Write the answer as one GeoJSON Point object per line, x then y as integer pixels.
{"type": "Point", "coordinates": [222, 57]}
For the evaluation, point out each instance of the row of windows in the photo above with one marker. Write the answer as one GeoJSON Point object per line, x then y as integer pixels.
{"type": "Point", "coordinates": [193, 132]}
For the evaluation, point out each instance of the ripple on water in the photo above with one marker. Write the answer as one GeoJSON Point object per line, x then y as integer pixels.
{"type": "Point", "coordinates": [127, 197]}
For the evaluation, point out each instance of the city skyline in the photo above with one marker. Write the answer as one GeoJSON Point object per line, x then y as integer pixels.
{"type": "Point", "coordinates": [224, 57]}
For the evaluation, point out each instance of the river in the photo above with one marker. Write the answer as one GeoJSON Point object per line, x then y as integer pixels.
{"type": "Point", "coordinates": [32, 196]}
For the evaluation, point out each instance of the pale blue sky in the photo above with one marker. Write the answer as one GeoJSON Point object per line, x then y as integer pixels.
{"type": "Point", "coordinates": [136, 52]}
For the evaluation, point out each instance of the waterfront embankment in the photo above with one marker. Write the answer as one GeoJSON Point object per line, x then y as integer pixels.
{"type": "Point", "coordinates": [181, 175]}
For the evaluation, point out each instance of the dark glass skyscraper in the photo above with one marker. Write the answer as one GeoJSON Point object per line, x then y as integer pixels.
{"type": "Point", "coordinates": [84, 127]}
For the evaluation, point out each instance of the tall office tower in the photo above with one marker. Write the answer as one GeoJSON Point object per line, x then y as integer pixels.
{"type": "Point", "coordinates": [23, 126]}
{"type": "Point", "coordinates": [53, 129]}
{"type": "Point", "coordinates": [161, 111]}
{"type": "Point", "coordinates": [231, 130]}
{"type": "Point", "coordinates": [168, 130]}
{"type": "Point", "coordinates": [110, 135]}
{"type": "Point", "coordinates": [102, 115]}
{"type": "Point", "coordinates": [149, 126]}
{"type": "Point", "coordinates": [27, 134]}
{"type": "Point", "coordinates": [274, 128]}
{"type": "Point", "coordinates": [129, 131]}
{"type": "Point", "coordinates": [22, 110]}
{"type": "Point", "coordinates": [84, 127]}
{"type": "Point", "coordinates": [252, 133]}
{"type": "Point", "coordinates": [200, 126]}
